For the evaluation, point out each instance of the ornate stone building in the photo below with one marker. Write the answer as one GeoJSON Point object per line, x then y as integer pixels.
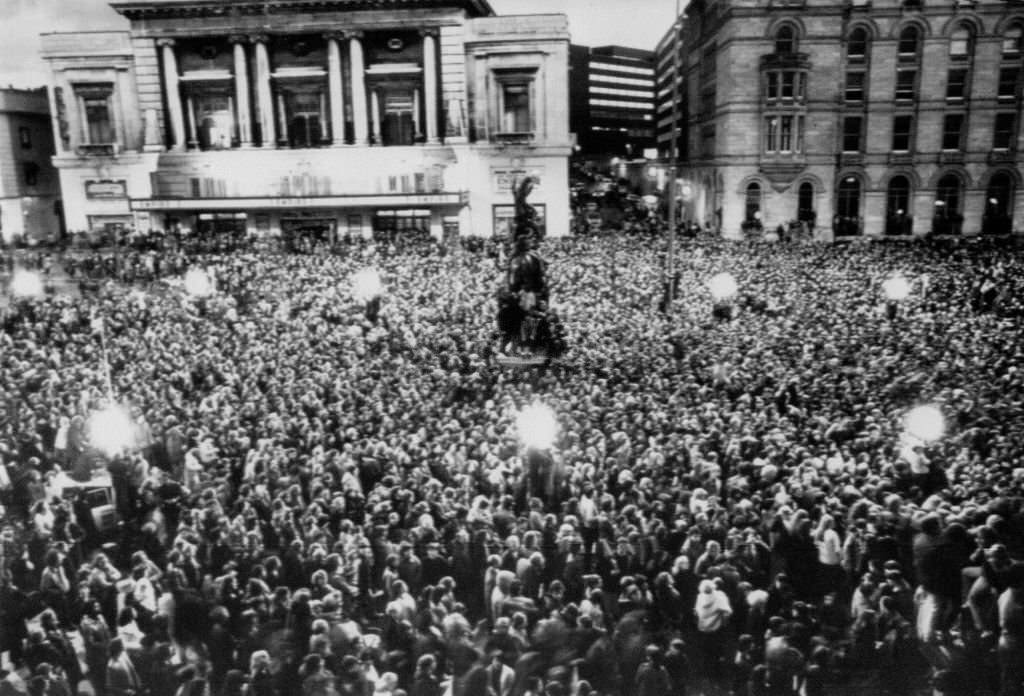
{"type": "Point", "coordinates": [333, 117]}
{"type": "Point", "coordinates": [29, 188]}
{"type": "Point", "coordinates": [864, 116]}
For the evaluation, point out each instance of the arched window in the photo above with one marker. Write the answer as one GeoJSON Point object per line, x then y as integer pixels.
{"type": "Point", "coordinates": [908, 44]}
{"type": "Point", "coordinates": [785, 39]}
{"type": "Point", "coordinates": [1012, 41]}
{"type": "Point", "coordinates": [753, 203]}
{"type": "Point", "coordinates": [998, 217]}
{"type": "Point", "coordinates": [960, 44]}
{"type": "Point", "coordinates": [857, 45]}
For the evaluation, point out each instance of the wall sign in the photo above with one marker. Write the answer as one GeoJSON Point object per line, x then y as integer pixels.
{"type": "Point", "coordinates": [106, 189]}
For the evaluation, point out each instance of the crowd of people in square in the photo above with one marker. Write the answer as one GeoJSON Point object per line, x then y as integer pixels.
{"type": "Point", "coordinates": [315, 503]}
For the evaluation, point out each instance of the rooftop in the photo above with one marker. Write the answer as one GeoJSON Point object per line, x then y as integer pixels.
{"type": "Point", "coordinates": [145, 9]}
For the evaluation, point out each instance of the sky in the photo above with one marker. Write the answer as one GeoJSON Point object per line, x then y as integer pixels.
{"type": "Point", "coordinates": [638, 24]}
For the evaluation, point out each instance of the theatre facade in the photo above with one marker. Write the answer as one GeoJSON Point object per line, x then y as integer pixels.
{"type": "Point", "coordinates": [332, 117]}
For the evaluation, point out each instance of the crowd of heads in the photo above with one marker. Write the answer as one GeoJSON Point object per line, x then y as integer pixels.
{"type": "Point", "coordinates": [317, 501]}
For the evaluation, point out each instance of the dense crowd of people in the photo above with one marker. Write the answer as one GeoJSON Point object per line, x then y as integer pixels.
{"type": "Point", "coordinates": [315, 503]}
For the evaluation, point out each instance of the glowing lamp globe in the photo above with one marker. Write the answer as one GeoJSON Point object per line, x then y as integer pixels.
{"type": "Point", "coordinates": [925, 423]}
{"type": "Point", "coordinates": [722, 286]}
{"type": "Point", "coordinates": [198, 283]}
{"type": "Point", "coordinates": [26, 284]}
{"type": "Point", "coordinates": [896, 288]}
{"type": "Point", "coordinates": [110, 430]}
{"type": "Point", "coordinates": [537, 426]}
{"type": "Point", "coordinates": [366, 285]}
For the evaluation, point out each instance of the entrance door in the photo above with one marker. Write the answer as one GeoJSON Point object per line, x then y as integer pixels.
{"type": "Point", "coordinates": [805, 204]}
{"type": "Point", "coordinates": [305, 234]}
{"type": "Point", "coordinates": [847, 221]}
{"type": "Point", "coordinates": [998, 218]}
{"type": "Point", "coordinates": [897, 217]}
{"type": "Point", "coordinates": [398, 124]}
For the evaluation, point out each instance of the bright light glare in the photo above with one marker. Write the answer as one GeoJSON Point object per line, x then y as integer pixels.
{"type": "Point", "coordinates": [110, 430]}
{"type": "Point", "coordinates": [722, 286]}
{"type": "Point", "coordinates": [366, 285]}
{"type": "Point", "coordinates": [198, 283]}
{"type": "Point", "coordinates": [925, 423]}
{"type": "Point", "coordinates": [26, 284]}
{"type": "Point", "coordinates": [896, 288]}
{"type": "Point", "coordinates": [537, 426]}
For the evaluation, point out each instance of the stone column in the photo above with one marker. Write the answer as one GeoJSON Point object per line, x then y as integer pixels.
{"type": "Point", "coordinates": [193, 141]}
{"type": "Point", "coordinates": [242, 117]}
{"type": "Point", "coordinates": [334, 89]}
{"type": "Point", "coordinates": [176, 117]}
{"type": "Point", "coordinates": [264, 97]}
{"type": "Point", "coordinates": [282, 120]}
{"type": "Point", "coordinates": [417, 124]}
{"type": "Point", "coordinates": [359, 115]}
{"type": "Point", "coordinates": [375, 115]}
{"type": "Point", "coordinates": [430, 82]}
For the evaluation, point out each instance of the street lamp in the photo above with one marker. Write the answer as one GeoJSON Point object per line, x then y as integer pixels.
{"type": "Point", "coordinates": [896, 289]}
{"type": "Point", "coordinates": [367, 288]}
{"type": "Point", "coordinates": [198, 283]}
{"type": "Point", "coordinates": [537, 426]}
{"type": "Point", "coordinates": [722, 287]}
{"type": "Point", "coordinates": [26, 284]}
{"type": "Point", "coordinates": [925, 424]}
{"type": "Point", "coordinates": [110, 430]}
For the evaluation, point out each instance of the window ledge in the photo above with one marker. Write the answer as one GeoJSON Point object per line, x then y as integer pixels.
{"type": "Point", "coordinates": [1002, 156]}
{"type": "Point", "coordinates": [951, 157]}
{"type": "Point", "coordinates": [99, 150]}
{"type": "Point", "coordinates": [901, 157]}
{"type": "Point", "coordinates": [516, 138]}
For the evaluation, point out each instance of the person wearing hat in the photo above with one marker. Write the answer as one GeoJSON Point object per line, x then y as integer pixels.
{"type": "Point", "coordinates": [652, 678]}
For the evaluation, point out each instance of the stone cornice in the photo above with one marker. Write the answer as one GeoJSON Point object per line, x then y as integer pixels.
{"type": "Point", "coordinates": [163, 9]}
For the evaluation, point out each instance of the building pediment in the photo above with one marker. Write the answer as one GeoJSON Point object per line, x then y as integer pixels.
{"type": "Point", "coordinates": [151, 9]}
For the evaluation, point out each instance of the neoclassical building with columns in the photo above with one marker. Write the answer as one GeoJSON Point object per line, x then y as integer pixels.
{"type": "Point", "coordinates": [331, 117]}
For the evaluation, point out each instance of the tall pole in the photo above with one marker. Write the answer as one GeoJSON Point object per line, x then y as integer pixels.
{"type": "Point", "coordinates": [670, 261]}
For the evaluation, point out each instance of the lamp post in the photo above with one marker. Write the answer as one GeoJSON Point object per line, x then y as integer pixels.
{"type": "Point", "coordinates": [367, 288]}
{"type": "Point", "coordinates": [896, 289]}
{"type": "Point", "coordinates": [537, 428]}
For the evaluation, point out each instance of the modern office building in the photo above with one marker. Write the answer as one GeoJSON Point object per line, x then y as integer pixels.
{"type": "Point", "coordinates": [611, 95]}
{"type": "Point", "coordinates": [29, 187]}
{"type": "Point", "coordinates": [859, 116]}
{"type": "Point", "coordinates": [311, 116]}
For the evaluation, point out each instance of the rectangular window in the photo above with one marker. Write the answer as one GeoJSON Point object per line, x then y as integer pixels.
{"type": "Point", "coordinates": [901, 127]}
{"type": "Point", "coordinates": [956, 84]}
{"type": "Point", "coordinates": [905, 80]}
{"type": "Point", "coordinates": [786, 134]}
{"type": "Point", "coordinates": [788, 85]}
{"type": "Point", "coordinates": [855, 86]}
{"type": "Point", "coordinates": [771, 134]}
{"type": "Point", "coordinates": [852, 126]}
{"type": "Point", "coordinates": [515, 108]}
{"type": "Point", "coordinates": [97, 121]}
{"type": "Point", "coordinates": [952, 127]}
{"type": "Point", "coordinates": [1004, 132]}
{"type": "Point", "coordinates": [1008, 78]}
{"type": "Point", "coordinates": [772, 87]}
{"type": "Point", "coordinates": [30, 171]}
{"type": "Point", "coordinates": [25, 136]}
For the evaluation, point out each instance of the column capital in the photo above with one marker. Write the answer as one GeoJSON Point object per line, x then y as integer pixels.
{"type": "Point", "coordinates": [432, 32]}
{"type": "Point", "coordinates": [335, 35]}
{"type": "Point", "coordinates": [166, 41]}
{"type": "Point", "coordinates": [238, 38]}
{"type": "Point", "coordinates": [353, 34]}
{"type": "Point", "coordinates": [259, 38]}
